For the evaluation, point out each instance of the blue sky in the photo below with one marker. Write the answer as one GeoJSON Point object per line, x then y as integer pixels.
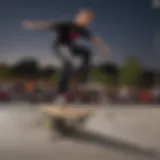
{"type": "Point", "coordinates": [130, 27]}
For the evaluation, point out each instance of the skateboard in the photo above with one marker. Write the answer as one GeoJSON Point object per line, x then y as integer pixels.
{"type": "Point", "coordinates": [66, 120]}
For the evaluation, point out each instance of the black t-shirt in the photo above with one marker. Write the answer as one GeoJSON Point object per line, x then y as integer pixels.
{"type": "Point", "coordinates": [68, 32]}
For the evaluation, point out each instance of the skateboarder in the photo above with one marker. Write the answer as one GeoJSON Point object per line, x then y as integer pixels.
{"type": "Point", "coordinates": [67, 49]}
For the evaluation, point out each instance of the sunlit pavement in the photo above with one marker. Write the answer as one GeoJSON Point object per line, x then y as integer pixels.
{"type": "Point", "coordinates": [114, 134]}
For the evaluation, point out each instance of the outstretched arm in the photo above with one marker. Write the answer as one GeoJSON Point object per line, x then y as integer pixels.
{"type": "Point", "coordinates": [37, 25]}
{"type": "Point", "coordinates": [96, 41]}
{"type": "Point", "coordinates": [104, 48]}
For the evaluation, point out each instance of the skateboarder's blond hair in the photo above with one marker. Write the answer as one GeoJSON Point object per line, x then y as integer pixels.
{"type": "Point", "coordinates": [84, 17]}
{"type": "Point", "coordinates": [87, 12]}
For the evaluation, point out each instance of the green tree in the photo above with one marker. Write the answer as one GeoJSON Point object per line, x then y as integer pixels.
{"type": "Point", "coordinates": [47, 72]}
{"type": "Point", "coordinates": [55, 77]}
{"type": "Point", "coordinates": [26, 67]}
{"type": "Point", "coordinates": [97, 75]}
{"type": "Point", "coordinates": [131, 72]}
{"type": "Point", "coordinates": [111, 71]}
{"type": "Point", "coordinates": [5, 72]}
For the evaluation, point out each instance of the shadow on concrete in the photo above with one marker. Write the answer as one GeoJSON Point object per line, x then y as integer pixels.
{"type": "Point", "coordinates": [106, 141]}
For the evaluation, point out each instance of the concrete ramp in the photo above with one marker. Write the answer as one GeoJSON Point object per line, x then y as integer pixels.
{"type": "Point", "coordinates": [109, 134]}
{"type": "Point", "coordinates": [139, 126]}
{"type": "Point", "coordinates": [134, 124]}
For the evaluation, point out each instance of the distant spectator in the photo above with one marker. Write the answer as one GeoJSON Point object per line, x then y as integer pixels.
{"type": "Point", "coordinates": [124, 94]}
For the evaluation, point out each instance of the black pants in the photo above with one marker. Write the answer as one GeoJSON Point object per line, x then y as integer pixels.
{"type": "Point", "coordinates": [68, 70]}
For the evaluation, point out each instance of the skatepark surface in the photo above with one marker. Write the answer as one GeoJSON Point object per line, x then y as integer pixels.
{"type": "Point", "coordinates": [118, 133]}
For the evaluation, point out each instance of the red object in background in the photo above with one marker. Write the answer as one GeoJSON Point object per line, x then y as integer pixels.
{"type": "Point", "coordinates": [145, 96]}
{"type": "Point", "coordinates": [70, 97]}
{"type": "Point", "coordinates": [4, 96]}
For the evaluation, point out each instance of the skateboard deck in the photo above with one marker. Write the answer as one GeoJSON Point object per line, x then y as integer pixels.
{"type": "Point", "coordinates": [67, 112]}
{"type": "Point", "coordinates": [66, 120]}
